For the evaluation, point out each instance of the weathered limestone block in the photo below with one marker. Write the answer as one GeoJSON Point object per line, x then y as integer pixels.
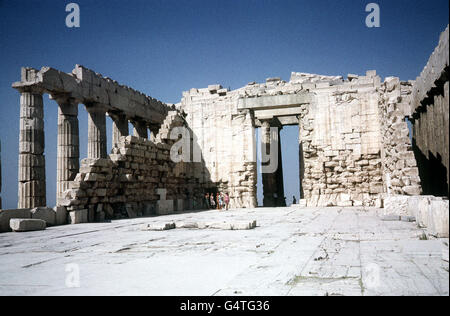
{"type": "Point", "coordinates": [61, 215]}
{"type": "Point", "coordinates": [438, 219]}
{"type": "Point", "coordinates": [46, 214]}
{"type": "Point", "coordinates": [26, 225]}
{"type": "Point", "coordinates": [163, 206]}
{"type": "Point", "coordinates": [423, 209]}
{"type": "Point", "coordinates": [159, 226]}
{"type": "Point", "coordinates": [78, 217]}
{"type": "Point", "coordinates": [396, 205]}
{"type": "Point", "coordinates": [7, 215]}
{"type": "Point", "coordinates": [231, 225]}
{"type": "Point", "coordinates": [412, 190]}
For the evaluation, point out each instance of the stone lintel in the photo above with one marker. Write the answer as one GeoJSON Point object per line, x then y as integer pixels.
{"type": "Point", "coordinates": [85, 86]}
{"type": "Point", "coordinates": [274, 102]}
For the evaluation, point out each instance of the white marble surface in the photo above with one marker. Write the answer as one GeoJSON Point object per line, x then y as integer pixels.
{"type": "Point", "coordinates": [314, 251]}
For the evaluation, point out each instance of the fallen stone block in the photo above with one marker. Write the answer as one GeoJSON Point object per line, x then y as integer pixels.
{"type": "Point", "coordinates": [44, 213]}
{"type": "Point", "coordinates": [232, 225]}
{"type": "Point", "coordinates": [221, 226]}
{"type": "Point", "coordinates": [7, 215]}
{"type": "Point", "coordinates": [243, 225]}
{"type": "Point", "coordinates": [159, 226]}
{"type": "Point", "coordinates": [188, 225]}
{"type": "Point", "coordinates": [78, 217]}
{"type": "Point", "coordinates": [27, 225]}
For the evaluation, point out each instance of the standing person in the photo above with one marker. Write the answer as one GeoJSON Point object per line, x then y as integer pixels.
{"type": "Point", "coordinates": [213, 203]}
{"type": "Point", "coordinates": [294, 200]}
{"type": "Point", "coordinates": [221, 201]}
{"type": "Point", "coordinates": [227, 201]}
{"type": "Point", "coordinates": [207, 201]}
{"type": "Point", "coordinates": [218, 200]}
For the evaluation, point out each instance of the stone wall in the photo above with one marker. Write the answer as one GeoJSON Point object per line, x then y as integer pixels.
{"type": "Point", "coordinates": [225, 139]}
{"type": "Point", "coordinates": [129, 182]}
{"type": "Point", "coordinates": [342, 161]}
{"type": "Point", "coordinates": [429, 111]}
{"type": "Point", "coordinates": [400, 173]}
{"type": "Point", "coordinates": [342, 136]}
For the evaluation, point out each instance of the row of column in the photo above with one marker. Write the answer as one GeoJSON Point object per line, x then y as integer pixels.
{"type": "Point", "coordinates": [32, 181]}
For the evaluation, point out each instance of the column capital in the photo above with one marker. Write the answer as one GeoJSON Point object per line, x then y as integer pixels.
{"type": "Point", "coordinates": [116, 116]}
{"type": "Point", "coordinates": [140, 127]}
{"type": "Point", "coordinates": [63, 98]}
{"type": "Point", "coordinates": [272, 122]}
{"type": "Point", "coordinates": [36, 89]}
{"type": "Point", "coordinates": [66, 104]}
{"type": "Point", "coordinates": [94, 107]}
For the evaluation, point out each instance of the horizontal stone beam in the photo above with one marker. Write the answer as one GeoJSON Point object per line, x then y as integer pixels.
{"type": "Point", "coordinates": [85, 86]}
{"type": "Point", "coordinates": [432, 72]}
{"type": "Point", "coordinates": [281, 112]}
{"type": "Point", "coordinates": [274, 102]}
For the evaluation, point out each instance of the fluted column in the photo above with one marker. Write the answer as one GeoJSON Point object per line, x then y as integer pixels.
{"type": "Point", "coordinates": [273, 186]}
{"type": "Point", "coordinates": [96, 132]}
{"type": "Point", "coordinates": [119, 127]}
{"type": "Point", "coordinates": [32, 184]}
{"type": "Point", "coordinates": [68, 163]}
{"type": "Point", "coordinates": [154, 129]}
{"type": "Point", "coordinates": [140, 129]}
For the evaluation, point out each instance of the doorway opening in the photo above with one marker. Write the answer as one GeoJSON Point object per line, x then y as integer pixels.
{"type": "Point", "coordinates": [280, 188]}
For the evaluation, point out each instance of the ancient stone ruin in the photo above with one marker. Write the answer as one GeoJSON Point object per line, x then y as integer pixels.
{"type": "Point", "coordinates": [354, 141]}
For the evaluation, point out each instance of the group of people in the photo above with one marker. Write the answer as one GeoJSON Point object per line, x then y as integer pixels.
{"type": "Point", "coordinates": [218, 201]}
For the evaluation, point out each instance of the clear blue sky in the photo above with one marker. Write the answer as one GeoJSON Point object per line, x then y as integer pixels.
{"type": "Point", "coordinates": [168, 46]}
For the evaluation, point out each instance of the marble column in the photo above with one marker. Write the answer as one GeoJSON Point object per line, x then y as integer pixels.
{"type": "Point", "coordinates": [96, 132]}
{"type": "Point", "coordinates": [119, 127]}
{"type": "Point", "coordinates": [32, 183]}
{"type": "Point", "coordinates": [273, 186]}
{"type": "Point", "coordinates": [154, 129]}
{"type": "Point", "coordinates": [140, 129]}
{"type": "Point", "coordinates": [68, 163]}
